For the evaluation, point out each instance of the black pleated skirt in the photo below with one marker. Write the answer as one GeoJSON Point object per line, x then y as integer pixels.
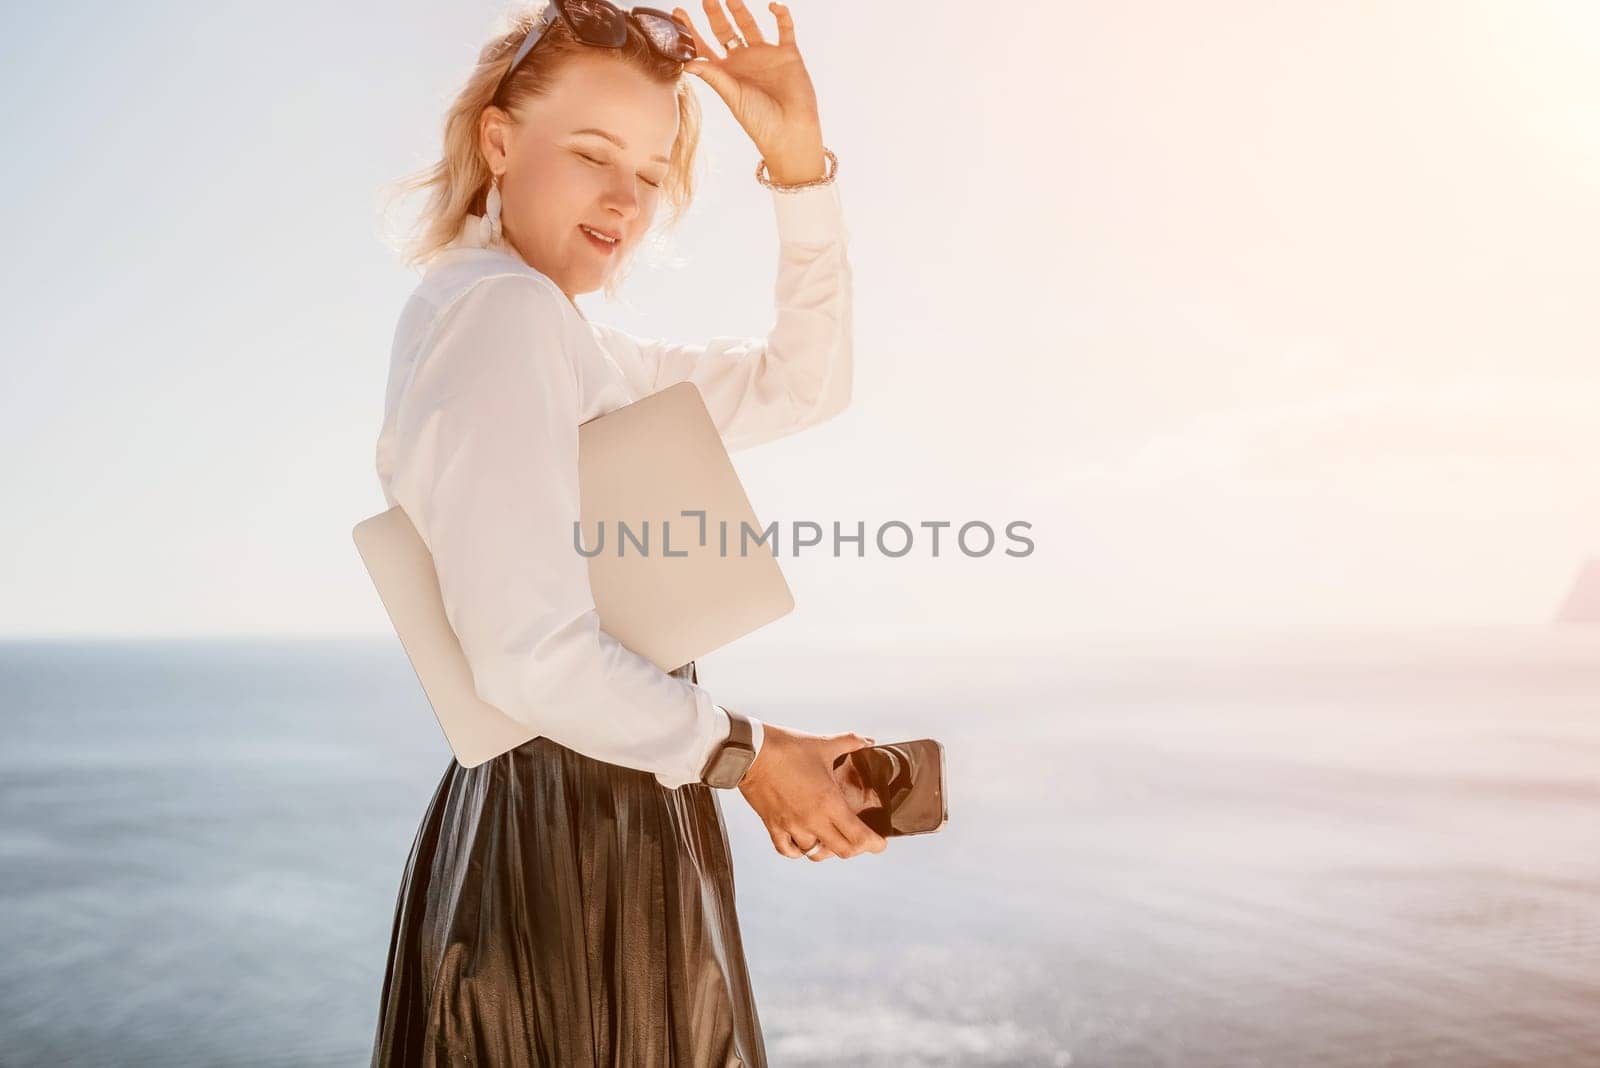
{"type": "Point", "coordinates": [559, 910]}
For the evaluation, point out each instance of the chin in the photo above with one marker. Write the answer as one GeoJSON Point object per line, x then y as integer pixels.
{"type": "Point", "coordinates": [591, 283]}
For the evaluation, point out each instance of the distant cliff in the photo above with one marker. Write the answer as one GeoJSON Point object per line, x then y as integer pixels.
{"type": "Point", "coordinates": [1583, 603]}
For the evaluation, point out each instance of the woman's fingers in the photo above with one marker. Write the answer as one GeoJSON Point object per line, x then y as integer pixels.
{"type": "Point", "coordinates": [801, 800]}
{"type": "Point", "coordinates": [822, 853]}
{"type": "Point", "coordinates": [702, 48]}
{"type": "Point", "coordinates": [862, 839]}
{"type": "Point", "coordinates": [793, 844]}
{"type": "Point", "coordinates": [785, 23]}
{"type": "Point", "coordinates": [842, 831]}
{"type": "Point", "coordinates": [718, 19]}
{"type": "Point", "coordinates": [746, 22]}
{"type": "Point", "coordinates": [788, 843]}
{"type": "Point", "coordinates": [784, 843]}
{"type": "Point", "coordinates": [858, 838]}
{"type": "Point", "coordinates": [833, 842]}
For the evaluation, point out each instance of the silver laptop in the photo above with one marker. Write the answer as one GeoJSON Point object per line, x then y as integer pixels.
{"type": "Point", "coordinates": [640, 467]}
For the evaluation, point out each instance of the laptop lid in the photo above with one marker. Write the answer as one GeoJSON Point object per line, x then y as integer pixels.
{"type": "Point", "coordinates": [671, 587]}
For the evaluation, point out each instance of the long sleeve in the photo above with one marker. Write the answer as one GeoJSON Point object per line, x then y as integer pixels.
{"type": "Point", "coordinates": [486, 467]}
{"type": "Point", "coordinates": [758, 389]}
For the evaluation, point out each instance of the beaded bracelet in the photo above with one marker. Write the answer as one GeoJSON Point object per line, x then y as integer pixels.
{"type": "Point", "coordinates": [766, 180]}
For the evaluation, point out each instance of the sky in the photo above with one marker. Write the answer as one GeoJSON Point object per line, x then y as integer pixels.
{"type": "Point", "coordinates": [1259, 313]}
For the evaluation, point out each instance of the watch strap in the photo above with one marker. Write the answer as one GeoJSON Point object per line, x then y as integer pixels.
{"type": "Point", "coordinates": [741, 741]}
{"type": "Point", "coordinates": [738, 729]}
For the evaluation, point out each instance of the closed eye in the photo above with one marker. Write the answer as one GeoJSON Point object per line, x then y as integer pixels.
{"type": "Point", "coordinates": [602, 163]}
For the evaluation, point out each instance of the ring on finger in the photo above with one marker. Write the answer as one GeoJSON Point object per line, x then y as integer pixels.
{"type": "Point", "coordinates": [733, 42]}
{"type": "Point", "coordinates": [813, 850]}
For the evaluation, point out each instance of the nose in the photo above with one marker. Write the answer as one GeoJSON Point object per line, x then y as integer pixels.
{"type": "Point", "coordinates": [621, 196]}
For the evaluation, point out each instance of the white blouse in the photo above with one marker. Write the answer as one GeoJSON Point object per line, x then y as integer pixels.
{"type": "Point", "coordinates": [492, 370]}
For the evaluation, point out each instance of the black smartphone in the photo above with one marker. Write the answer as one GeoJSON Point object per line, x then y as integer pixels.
{"type": "Point", "coordinates": [896, 789]}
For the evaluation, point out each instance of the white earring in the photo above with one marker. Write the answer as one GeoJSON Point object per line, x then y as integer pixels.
{"type": "Point", "coordinates": [491, 210]}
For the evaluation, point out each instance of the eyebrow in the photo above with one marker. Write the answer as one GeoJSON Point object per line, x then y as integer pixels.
{"type": "Point", "coordinates": [614, 139]}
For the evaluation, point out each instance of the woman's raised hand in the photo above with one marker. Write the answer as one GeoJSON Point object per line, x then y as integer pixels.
{"type": "Point", "coordinates": [792, 788]}
{"type": "Point", "coordinates": [765, 85]}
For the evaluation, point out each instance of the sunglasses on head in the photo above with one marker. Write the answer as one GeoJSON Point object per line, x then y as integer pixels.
{"type": "Point", "coordinates": [605, 25]}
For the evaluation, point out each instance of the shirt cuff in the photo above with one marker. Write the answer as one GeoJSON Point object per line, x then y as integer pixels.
{"type": "Point", "coordinates": [757, 733]}
{"type": "Point", "coordinates": [813, 215]}
{"type": "Point", "coordinates": [711, 727]}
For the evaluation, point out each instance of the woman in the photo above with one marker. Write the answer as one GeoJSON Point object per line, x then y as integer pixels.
{"type": "Point", "coordinates": [571, 902]}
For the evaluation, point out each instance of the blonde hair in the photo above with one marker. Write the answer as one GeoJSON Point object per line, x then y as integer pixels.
{"type": "Point", "coordinates": [458, 183]}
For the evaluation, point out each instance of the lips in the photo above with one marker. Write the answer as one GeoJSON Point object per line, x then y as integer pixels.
{"type": "Point", "coordinates": [604, 240]}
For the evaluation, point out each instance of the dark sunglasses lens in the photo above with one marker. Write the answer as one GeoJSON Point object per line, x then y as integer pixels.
{"type": "Point", "coordinates": [666, 36]}
{"type": "Point", "coordinates": [597, 22]}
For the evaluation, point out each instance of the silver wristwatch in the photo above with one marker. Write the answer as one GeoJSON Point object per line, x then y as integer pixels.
{"type": "Point", "coordinates": [733, 756]}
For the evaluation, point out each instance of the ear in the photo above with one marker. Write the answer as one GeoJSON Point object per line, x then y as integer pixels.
{"type": "Point", "coordinates": [494, 137]}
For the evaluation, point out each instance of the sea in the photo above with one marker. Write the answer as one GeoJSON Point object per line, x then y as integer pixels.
{"type": "Point", "coordinates": [1301, 846]}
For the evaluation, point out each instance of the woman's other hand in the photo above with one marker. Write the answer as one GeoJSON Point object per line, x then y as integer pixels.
{"type": "Point", "coordinates": [765, 85]}
{"type": "Point", "coordinates": [792, 788]}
